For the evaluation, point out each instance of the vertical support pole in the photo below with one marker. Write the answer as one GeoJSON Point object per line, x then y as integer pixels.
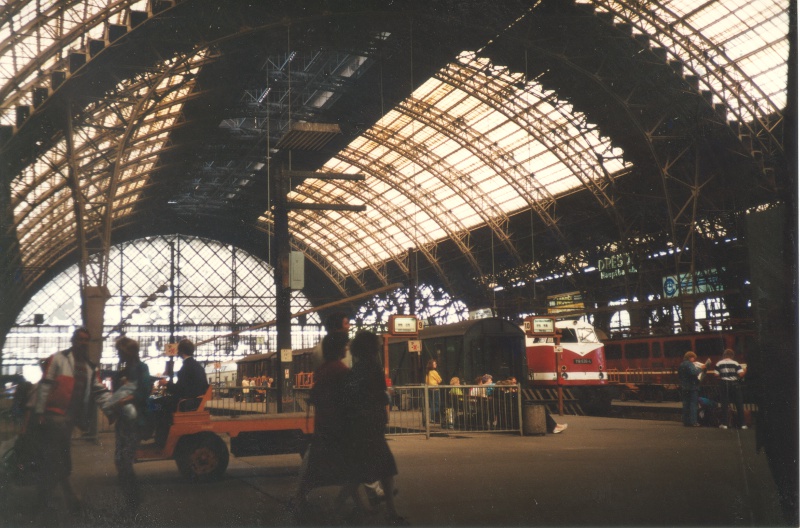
{"type": "Point", "coordinates": [426, 411]}
{"type": "Point", "coordinates": [386, 355]}
{"type": "Point", "coordinates": [283, 313]}
{"type": "Point", "coordinates": [95, 298]}
{"type": "Point", "coordinates": [519, 409]}
{"type": "Point", "coordinates": [94, 302]}
{"type": "Point", "coordinates": [559, 379]}
{"type": "Point", "coordinates": [412, 282]}
{"type": "Point", "coordinates": [170, 368]}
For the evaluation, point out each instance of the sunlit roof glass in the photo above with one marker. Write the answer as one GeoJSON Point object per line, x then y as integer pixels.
{"type": "Point", "coordinates": [41, 199]}
{"type": "Point", "coordinates": [738, 48]}
{"type": "Point", "coordinates": [34, 37]}
{"type": "Point", "coordinates": [448, 159]}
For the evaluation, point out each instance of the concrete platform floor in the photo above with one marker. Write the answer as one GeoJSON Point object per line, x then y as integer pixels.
{"type": "Point", "coordinates": [599, 472]}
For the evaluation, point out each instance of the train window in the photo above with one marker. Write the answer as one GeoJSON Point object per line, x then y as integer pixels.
{"type": "Point", "coordinates": [637, 351]}
{"type": "Point", "coordinates": [677, 348]}
{"type": "Point", "coordinates": [568, 335]}
{"type": "Point", "coordinates": [586, 335]}
{"type": "Point", "coordinates": [709, 346]}
{"type": "Point", "coordinates": [655, 349]}
{"type": "Point", "coordinates": [613, 351]}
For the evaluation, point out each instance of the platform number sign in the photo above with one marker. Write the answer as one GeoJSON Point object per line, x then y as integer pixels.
{"type": "Point", "coordinates": [403, 325]}
{"type": "Point", "coordinates": [540, 326]}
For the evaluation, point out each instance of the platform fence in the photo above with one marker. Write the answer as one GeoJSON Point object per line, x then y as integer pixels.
{"type": "Point", "coordinates": [443, 409]}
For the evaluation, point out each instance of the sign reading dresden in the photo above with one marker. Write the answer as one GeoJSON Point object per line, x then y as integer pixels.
{"type": "Point", "coordinates": [616, 266]}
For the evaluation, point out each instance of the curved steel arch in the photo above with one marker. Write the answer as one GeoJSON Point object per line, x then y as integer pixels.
{"type": "Point", "coordinates": [407, 147]}
{"type": "Point", "coordinates": [381, 174]}
{"type": "Point", "coordinates": [633, 13]}
{"type": "Point", "coordinates": [137, 105]}
{"type": "Point", "coordinates": [20, 84]}
{"type": "Point", "coordinates": [535, 127]}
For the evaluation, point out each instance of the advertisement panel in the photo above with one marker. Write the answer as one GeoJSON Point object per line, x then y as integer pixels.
{"type": "Point", "coordinates": [707, 281]}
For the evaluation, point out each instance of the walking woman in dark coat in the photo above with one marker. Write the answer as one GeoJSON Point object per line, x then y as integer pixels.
{"type": "Point", "coordinates": [325, 463]}
{"type": "Point", "coordinates": [370, 456]}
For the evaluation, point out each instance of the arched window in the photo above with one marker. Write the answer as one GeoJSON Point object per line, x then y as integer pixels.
{"type": "Point", "coordinates": [208, 287]}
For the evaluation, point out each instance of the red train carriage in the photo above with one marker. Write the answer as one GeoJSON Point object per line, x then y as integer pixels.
{"type": "Point", "coordinates": [646, 366]}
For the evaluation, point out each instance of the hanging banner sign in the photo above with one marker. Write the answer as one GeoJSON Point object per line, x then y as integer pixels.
{"type": "Point", "coordinates": [286, 355]}
{"type": "Point", "coordinates": [480, 313]}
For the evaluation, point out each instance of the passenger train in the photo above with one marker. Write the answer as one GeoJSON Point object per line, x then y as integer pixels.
{"type": "Point", "coordinates": [469, 349]}
{"type": "Point", "coordinates": [645, 366]}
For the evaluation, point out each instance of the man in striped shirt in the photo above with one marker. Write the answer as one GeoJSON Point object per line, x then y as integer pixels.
{"type": "Point", "coordinates": [730, 387]}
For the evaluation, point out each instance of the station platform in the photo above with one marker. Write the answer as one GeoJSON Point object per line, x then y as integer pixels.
{"type": "Point", "coordinates": [599, 472]}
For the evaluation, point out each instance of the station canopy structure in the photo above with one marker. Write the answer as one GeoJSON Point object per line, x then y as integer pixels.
{"type": "Point", "coordinates": [506, 147]}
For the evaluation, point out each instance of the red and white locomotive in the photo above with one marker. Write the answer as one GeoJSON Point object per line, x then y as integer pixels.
{"type": "Point", "coordinates": [567, 354]}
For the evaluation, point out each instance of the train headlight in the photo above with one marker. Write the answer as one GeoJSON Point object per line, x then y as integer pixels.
{"type": "Point", "coordinates": [564, 375]}
{"type": "Point", "coordinates": [602, 375]}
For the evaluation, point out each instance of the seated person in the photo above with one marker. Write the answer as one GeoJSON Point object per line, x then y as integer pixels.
{"type": "Point", "coordinates": [192, 383]}
{"type": "Point", "coordinates": [187, 392]}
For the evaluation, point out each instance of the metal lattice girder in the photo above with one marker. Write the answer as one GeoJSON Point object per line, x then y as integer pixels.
{"type": "Point", "coordinates": [678, 132]}
{"type": "Point", "coordinates": [546, 118]}
{"type": "Point", "coordinates": [112, 144]}
{"type": "Point", "coordinates": [410, 149]}
{"type": "Point", "coordinates": [382, 174]}
{"type": "Point", "coordinates": [580, 157]}
{"type": "Point", "coordinates": [709, 41]}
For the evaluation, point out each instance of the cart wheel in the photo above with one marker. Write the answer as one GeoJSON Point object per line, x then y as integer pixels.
{"type": "Point", "coordinates": [202, 457]}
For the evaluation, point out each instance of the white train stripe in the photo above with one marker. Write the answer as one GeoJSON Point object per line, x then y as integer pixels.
{"type": "Point", "coordinates": [572, 376]}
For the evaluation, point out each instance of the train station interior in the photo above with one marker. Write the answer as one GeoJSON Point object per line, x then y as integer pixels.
{"type": "Point", "coordinates": [233, 172]}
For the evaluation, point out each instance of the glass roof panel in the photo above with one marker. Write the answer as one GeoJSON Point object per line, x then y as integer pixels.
{"type": "Point", "coordinates": [37, 210]}
{"type": "Point", "coordinates": [42, 31]}
{"type": "Point", "coordinates": [730, 45]}
{"type": "Point", "coordinates": [446, 160]}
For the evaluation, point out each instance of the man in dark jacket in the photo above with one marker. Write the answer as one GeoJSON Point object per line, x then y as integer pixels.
{"type": "Point", "coordinates": [184, 394]}
{"type": "Point", "coordinates": [192, 382]}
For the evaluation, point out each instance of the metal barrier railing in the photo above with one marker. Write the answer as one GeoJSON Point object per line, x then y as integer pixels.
{"type": "Point", "coordinates": [439, 409]}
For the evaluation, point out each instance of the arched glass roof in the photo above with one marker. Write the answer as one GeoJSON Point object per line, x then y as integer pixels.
{"type": "Point", "coordinates": [471, 146]}
{"type": "Point", "coordinates": [112, 154]}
